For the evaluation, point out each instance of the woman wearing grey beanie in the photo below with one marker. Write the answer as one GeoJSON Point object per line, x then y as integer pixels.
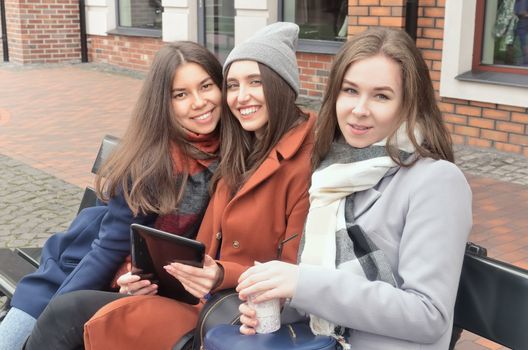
{"type": "Point", "coordinates": [256, 213]}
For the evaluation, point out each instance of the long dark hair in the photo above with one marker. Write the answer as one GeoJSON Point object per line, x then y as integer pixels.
{"type": "Point", "coordinates": [241, 153]}
{"type": "Point", "coordinates": [142, 166]}
{"type": "Point", "coordinates": [419, 107]}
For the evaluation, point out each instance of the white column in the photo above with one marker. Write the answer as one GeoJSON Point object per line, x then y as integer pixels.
{"type": "Point", "coordinates": [251, 15]}
{"type": "Point", "coordinates": [100, 16]}
{"type": "Point", "coordinates": [180, 20]}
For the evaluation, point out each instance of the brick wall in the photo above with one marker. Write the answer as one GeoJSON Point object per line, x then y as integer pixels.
{"type": "Point", "coordinates": [43, 31]}
{"type": "Point", "coordinates": [504, 128]}
{"type": "Point", "coordinates": [124, 51]}
{"type": "Point", "coordinates": [313, 70]}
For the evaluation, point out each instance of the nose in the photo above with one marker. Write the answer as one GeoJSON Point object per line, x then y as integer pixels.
{"type": "Point", "coordinates": [198, 102]}
{"type": "Point", "coordinates": [243, 95]}
{"type": "Point", "coordinates": [361, 108]}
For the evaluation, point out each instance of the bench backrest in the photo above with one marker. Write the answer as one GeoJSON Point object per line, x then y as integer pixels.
{"type": "Point", "coordinates": [108, 145]}
{"type": "Point", "coordinates": [492, 301]}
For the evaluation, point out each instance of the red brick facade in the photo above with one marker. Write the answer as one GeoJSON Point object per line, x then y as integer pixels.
{"type": "Point", "coordinates": [128, 52]}
{"type": "Point", "coordinates": [504, 128]}
{"type": "Point", "coordinates": [46, 31]}
{"type": "Point", "coordinates": [43, 31]}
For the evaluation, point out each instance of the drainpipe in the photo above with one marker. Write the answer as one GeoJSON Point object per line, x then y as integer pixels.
{"type": "Point", "coordinates": [411, 18]}
{"type": "Point", "coordinates": [5, 47]}
{"type": "Point", "coordinates": [82, 23]}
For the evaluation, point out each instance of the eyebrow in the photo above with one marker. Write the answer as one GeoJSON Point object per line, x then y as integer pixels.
{"type": "Point", "coordinates": [377, 88]}
{"type": "Point", "coordinates": [251, 76]}
{"type": "Point", "coordinates": [200, 83]}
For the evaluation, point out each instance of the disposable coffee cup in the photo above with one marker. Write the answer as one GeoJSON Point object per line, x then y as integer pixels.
{"type": "Point", "coordinates": [268, 314]}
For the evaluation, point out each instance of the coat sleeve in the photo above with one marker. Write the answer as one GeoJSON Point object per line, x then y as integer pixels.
{"type": "Point", "coordinates": [108, 251]}
{"type": "Point", "coordinates": [437, 224]}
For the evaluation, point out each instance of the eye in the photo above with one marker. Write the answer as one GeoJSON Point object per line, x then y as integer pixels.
{"type": "Point", "coordinates": [349, 90]}
{"type": "Point", "coordinates": [382, 97]}
{"type": "Point", "coordinates": [207, 86]}
{"type": "Point", "coordinates": [179, 95]}
{"type": "Point", "coordinates": [255, 82]}
{"type": "Point", "coordinates": [232, 86]}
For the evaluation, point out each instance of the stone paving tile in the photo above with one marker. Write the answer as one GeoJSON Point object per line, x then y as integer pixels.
{"type": "Point", "coordinates": [34, 204]}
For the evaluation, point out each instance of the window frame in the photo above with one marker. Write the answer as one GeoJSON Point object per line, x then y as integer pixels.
{"type": "Point", "coordinates": [313, 46]}
{"type": "Point", "coordinates": [134, 31]}
{"type": "Point", "coordinates": [477, 66]}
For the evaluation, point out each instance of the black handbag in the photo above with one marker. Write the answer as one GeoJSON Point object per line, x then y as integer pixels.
{"type": "Point", "coordinates": [293, 336]}
{"type": "Point", "coordinates": [221, 308]}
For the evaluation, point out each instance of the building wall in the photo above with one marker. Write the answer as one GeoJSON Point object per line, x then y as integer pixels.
{"type": "Point", "coordinates": [474, 123]}
{"type": "Point", "coordinates": [43, 31]}
{"type": "Point", "coordinates": [134, 53]}
{"type": "Point", "coordinates": [47, 31]}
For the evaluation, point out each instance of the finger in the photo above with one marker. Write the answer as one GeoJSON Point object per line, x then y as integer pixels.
{"type": "Point", "coordinates": [205, 280]}
{"type": "Point", "coordinates": [245, 309]}
{"type": "Point", "coordinates": [246, 330]}
{"type": "Point", "coordinates": [198, 293]}
{"type": "Point", "coordinates": [137, 286]}
{"type": "Point", "coordinates": [190, 270]}
{"type": "Point", "coordinates": [262, 289]}
{"type": "Point", "coordinates": [127, 278]}
{"type": "Point", "coordinates": [208, 261]}
{"type": "Point", "coordinates": [146, 291]}
{"type": "Point", "coordinates": [248, 321]}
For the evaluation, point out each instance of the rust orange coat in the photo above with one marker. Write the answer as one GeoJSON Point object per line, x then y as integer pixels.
{"type": "Point", "coordinates": [269, 208]}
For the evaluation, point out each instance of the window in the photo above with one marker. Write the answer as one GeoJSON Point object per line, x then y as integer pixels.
{"type": "Point", "coordinates": [501, 36]}
{"type": "Point", "coordinates": [219, 25]}
{"type": "Point", "coordinates": [139, 16]}
{"type": "Point", "coordinates": [323, 24]}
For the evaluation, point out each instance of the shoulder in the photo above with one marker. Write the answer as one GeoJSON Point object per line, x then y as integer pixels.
{"type": "Point", "coordinates": [430, 175]}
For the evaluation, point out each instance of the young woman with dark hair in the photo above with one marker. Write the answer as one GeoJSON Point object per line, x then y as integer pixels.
{"type": "Point", "coordinates": [164, 162]}
{"type": "Point", "coordinates": [389, 211]}
{"type": "Point", "coordinates": [260, 200]}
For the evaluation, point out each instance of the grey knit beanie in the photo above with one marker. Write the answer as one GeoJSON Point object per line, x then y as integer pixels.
{"type": "Point", "coordinates": [274, 46]}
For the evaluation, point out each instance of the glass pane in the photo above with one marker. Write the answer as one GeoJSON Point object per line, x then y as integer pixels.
{"type": "Point", "coordinates": [220, 27]}
{"type": "Point", "coordinates": [319, 20]}
{"type": "Point", "coordinates": [140, 14]}
{"type": "Point", "coordinates": [505, 33]}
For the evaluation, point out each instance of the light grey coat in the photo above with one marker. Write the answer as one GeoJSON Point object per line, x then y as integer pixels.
{"type": "Point", "coordinates": [421, 218]}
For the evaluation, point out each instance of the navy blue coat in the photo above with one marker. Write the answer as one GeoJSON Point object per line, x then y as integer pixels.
{"type": "Point", "coordinates": [86, 256]}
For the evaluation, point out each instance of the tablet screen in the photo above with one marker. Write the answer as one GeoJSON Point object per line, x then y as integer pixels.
{"type": "Point", "coordinates": [151, 249]}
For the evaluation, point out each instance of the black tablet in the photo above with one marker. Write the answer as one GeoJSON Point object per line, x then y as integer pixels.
{"type": "Point", "coordinates": [151, 249]}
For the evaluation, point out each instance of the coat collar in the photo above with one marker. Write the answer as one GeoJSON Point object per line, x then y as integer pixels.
{"type": "Point", "coordinates": [365, 199]}
{"type": "Point", "coordinates": [286, 148]}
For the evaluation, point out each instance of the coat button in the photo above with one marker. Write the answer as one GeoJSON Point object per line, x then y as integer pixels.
{"type": "Point", "coordinates": [219, 235]}
{"type": "Point", "coordinates": [236, 244]}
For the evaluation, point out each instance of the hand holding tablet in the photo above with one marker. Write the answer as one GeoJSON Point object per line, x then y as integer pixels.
{"type": "Point", "coordinates": [153, 249]}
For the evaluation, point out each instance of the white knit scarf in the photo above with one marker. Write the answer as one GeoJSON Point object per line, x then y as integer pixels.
{"type": "Point", "coordinates": [330, 187]}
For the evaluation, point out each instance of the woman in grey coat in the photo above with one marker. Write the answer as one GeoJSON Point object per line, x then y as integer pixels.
{"type": "Point", "coordinates": [389, 211]}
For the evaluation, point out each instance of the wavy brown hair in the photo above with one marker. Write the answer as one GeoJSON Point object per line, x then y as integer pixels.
{"type": "Point", "coordinates": [241, 153]}
{"type": "Point", "coordinates": [419, 107]}
{"type": "Point", "coordinates": [142, 166]}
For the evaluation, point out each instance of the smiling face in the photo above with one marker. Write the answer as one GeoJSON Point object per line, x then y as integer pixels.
{"type": "Point", "coordinates": [370, 100]}
{"type": "Point", "coordinates": [245, 96]}
{"type": "Point", "coordinates": [196, 99]}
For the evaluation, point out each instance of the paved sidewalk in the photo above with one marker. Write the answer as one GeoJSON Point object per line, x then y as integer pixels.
{"type": "Point", "coordinates": [53, 118]}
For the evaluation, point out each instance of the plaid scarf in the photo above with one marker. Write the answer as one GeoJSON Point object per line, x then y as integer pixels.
{"type": "Point", "coordinates": [185, 220]}
{"type": "Point", "coordinates": [331, 235]}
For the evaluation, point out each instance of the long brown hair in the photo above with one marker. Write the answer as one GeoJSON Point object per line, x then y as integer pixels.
{"type": "Point", "coordinates": [419, 107]}
{"type": "Point", "coordinates": [142, 166]}
{"type": "Point", "coordinates": [241, 153]}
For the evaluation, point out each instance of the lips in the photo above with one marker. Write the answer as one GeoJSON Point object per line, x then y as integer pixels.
{"type": "Point", "coordinates": [358, 129]}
